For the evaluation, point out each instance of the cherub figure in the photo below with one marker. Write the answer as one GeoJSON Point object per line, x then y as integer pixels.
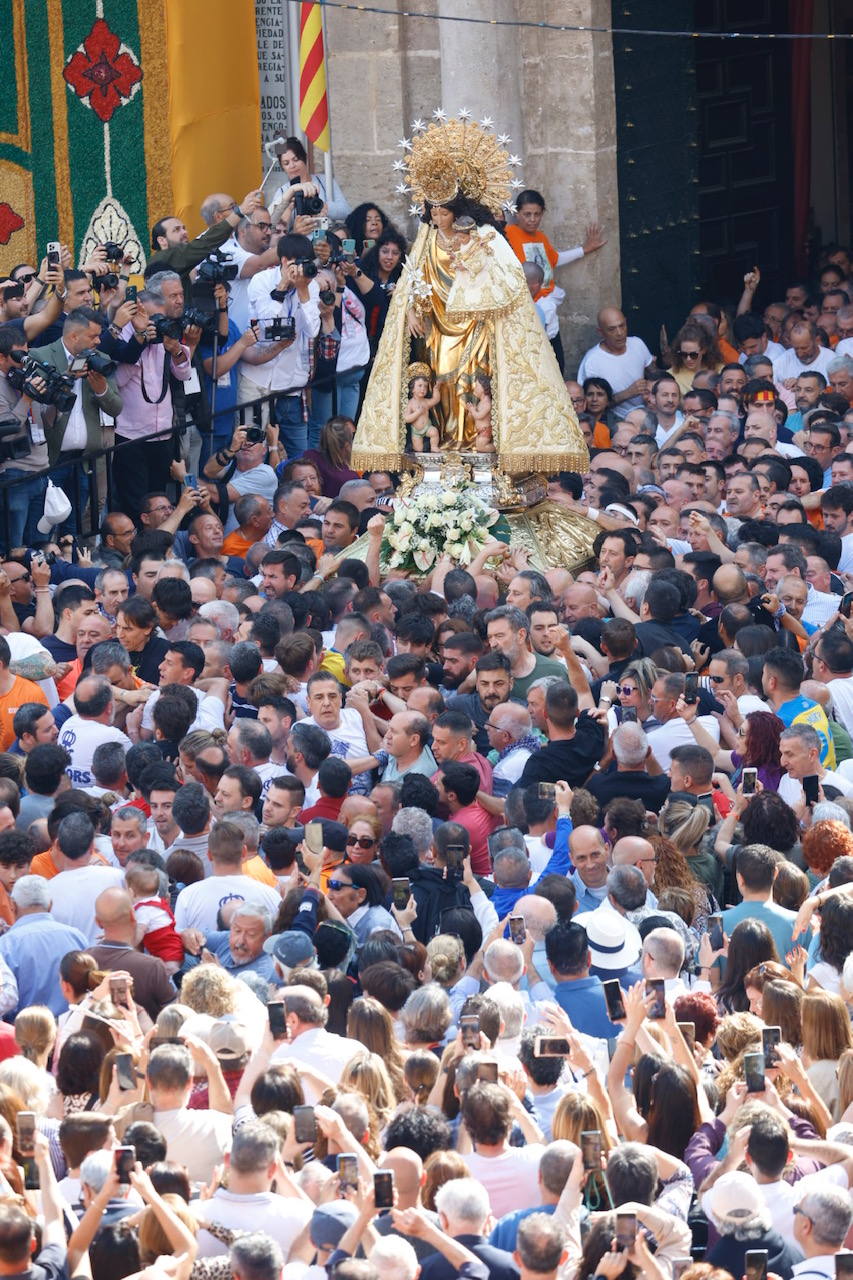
{"type": "Point", "coordinates": [422, 398]}
{"type": "Point", "coordinates": [479, 408]}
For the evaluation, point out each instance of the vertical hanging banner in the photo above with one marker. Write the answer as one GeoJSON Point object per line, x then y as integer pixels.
{"type": "Point", "coordinates": [313, 98]}
{"type": "Point", "coordinates": [277, 116]}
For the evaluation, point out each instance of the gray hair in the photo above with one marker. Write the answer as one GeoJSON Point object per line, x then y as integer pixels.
{"type": "Point", "coordinates": [253, 736]}
{"type": "Point", "coordinates": [636, 585]}
{"type": "Point", "coordinates": [394, 1258]}
{"type": "Point", "coordinates": [223, 613]}
{"type": "Point", "coordinates": [508, 613]}
{"type": "Point", "coordinates": [825, 811]}
{"type": "Point", "coordinates": [556, 1164]}
{"type": "Point", "coordinates": [630, 744]}
{"type": "Point", "coordinates": [545, 683]}
{"type": "Point", "coordinates": [806, 734]}
{"type": "Point", "coordinates": [256, 1257]}
{"type": "Point", "coordinates": [734, 662]}
{"type": "Point", "coordinates": [828, 1207]}
{"type": "Point", "coordinates": [511, 868]}
{"type": "Point", "coordinates": [254, 1147]}
{"type": "Point", "coordinates": [109, 653]}
{"type": "Point", "coordinates": [666, 948]}
{"type": "Point", "coordinates": [255, 911]}
{"type": "Point", "coordinates": [463, 1200]}
{"type": "Point", "coordinates": [511, 1005]}
{"type": "Point", "coordinates": [105, 573]}
{"type": "Point", "coordinates": [248, 824]}
{"type": "Point", "coordinates": [504, 962]}
{"type": "Point", "coordinates": [417, 824]}
{"type": "Point", "coordinates": [173, 569]}
{"type": "Point", "coordinates": [540, 1242]}
{"type": "Point", "coordinates": [130, 813]}
{"type": "Point", "coordinates": [353, 486]}
{"type": "Point", "coordinates": [513, 718]}
{"type": "Point", "coordinates": [427, 1012]}
{"type": "Point", "coordinates": [839, 363]}
{"type": "Point", "coordinates": [95, 1169]}
{"type": "Point", "coordinates": [31, 891]}
{"type": "Point", "coordinates": [154, 284]}
{"type": "Point", "coordinates": [626, 885]}
{"type": "Point", "coordinates": [731, 420]}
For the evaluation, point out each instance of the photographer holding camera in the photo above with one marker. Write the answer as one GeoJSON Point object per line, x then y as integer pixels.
{"type": "Point", "coordinates": [24, 449]}
{"type": "Point", "coordinates": [246, 466]}
{"type": "Point", "coordinates": [73, 424]}
{"type": "Point", "coordinates": [249, 251]}
{"type": "Point", "coordinates": [287, 294]}
{"type": "Point", "coordinates": [144, 426]}
{"type": "Point", "coordinates": [173, 249]}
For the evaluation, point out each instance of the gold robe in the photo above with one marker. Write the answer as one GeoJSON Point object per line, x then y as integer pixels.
{"type": "Point", "coordinates": [480, 319]}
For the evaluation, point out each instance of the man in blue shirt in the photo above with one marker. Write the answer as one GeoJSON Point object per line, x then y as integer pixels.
{"type": "Point", "coordinates": [582, 996]}
{"type": "Point", "coordinates": [757, 868]}
{"type": "Point", "coordinates": [241, 949]}
{"type": "Point", "coordinates": [589, 857]}
{"type": "Point", "coordinates": [36, 943]}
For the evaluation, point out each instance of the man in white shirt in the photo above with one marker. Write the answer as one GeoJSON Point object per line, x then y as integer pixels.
{"type": "Point", "coordinates": [247, 1203]}
{"type": "Point", "coordinates": [833, 664]}
{"type": "Point", "coordinates": [804, 353]}
{"type": "Point", "coordinates": [309, 1042]}
{"type": "Point", "coordinates": [285, 293]}
{"type": "Point", "coordinates": [196, 1139]}
{"type": "Point", "coordinates": [822, 1219]}
{"type": "Point", "coordinates": [728, 672]}
{"type": "Point", "coordinates": [623, 361]}
{"type": "Point", "coordinates": [799, 756]}
{"type": "Point", "coordinates": [344, 725]}
{"type": "Point", "coordinates": [91, 726]}
{"type": "Point", "coordinates": [197, 906]}
{"type": "Point", "coordinates": [674, 727]}
{"type": "Point", "coordinates": [663, 957]}
{"type": "Point", "coordinates": [249, 744]}
{"type": "Point", "coordinates": [250, 251]}
{"type": "Point", "coordinates": [80, 880]}
{"type": "Point", "coordinates": [183, 664]}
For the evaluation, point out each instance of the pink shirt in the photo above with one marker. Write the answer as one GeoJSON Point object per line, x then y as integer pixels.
{"type": "Point", "coordinates": [139, 418]}
{"type": "Point", "coordinates": [479, 824]}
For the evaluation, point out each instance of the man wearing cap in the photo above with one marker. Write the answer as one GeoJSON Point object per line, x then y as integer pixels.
{"type": "Point", "coordinates": [232, 1041]}
{"type": "Point", "coordinates": [735, 1207]}
{"type": "Point", "coordinates": [248, 1203]}
{"type": "Point", "coordinates": [329, 1224]}
{"type": "Point", "coordinates": [290, 950]}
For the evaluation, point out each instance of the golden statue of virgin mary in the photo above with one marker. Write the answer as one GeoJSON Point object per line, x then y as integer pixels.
{"type": "Point", "coordinates": [462, 307]}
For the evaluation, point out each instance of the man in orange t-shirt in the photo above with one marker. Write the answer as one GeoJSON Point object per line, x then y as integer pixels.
{"type": "Point", "coordinates": [254, 516]}
{"type": "Point", "coordinates": [14, 692]}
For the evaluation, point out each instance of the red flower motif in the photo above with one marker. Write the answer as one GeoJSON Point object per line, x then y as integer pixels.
{"type": "Point", "coordinates": [103, 72]}
{"type": "Point", "coordinates": [10, 222]}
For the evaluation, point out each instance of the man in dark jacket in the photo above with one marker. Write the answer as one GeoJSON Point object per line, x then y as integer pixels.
{"type": "Point", "coordinates": [440, 887]}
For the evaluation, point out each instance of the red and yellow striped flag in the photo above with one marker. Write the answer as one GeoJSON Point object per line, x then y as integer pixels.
{"type": "Point", "coordinates": [313, 98]}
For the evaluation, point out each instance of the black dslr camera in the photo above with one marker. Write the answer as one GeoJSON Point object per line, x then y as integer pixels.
{"type": "Point", "coordinates": [195, 316]}
{"type": "Point", "coordinates": [327, 297]}
{"type": "Point", "coordinates": [97, 361]}
{"type": "Point", "coordinates": [113, 252]}
{"type": "Point", "coordinates": [307, 266]}
{"type": "Point", "coordinates": [166, 327]}
{"type": "Point", "coordinates": [217, 269]}
{"type": "Point", "coordinates": [59, 389]}
{"type": "Point", "coordinates": [109, 280]}
{"type": "Point", "coordinates": [254, 435]}
{"type": "Point", "coordinates": [310, 205]}
{"type": "Point", "coordinates": [281, 329]}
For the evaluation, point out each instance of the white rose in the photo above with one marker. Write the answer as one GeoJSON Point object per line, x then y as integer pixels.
{"type": "Point", "coordinates": [455, 549]}
{"type": "Point", "coordinates": [448, 498]}
{"type": "Point", "coordinates": [406, 529]}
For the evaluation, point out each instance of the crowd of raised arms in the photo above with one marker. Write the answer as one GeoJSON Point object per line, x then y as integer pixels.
{"type": "Point", "coordinates": [496, 924]}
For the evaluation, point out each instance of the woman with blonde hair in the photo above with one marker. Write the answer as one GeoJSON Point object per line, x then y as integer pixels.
{"type": "Point", "coordinates": [446, 956]}
{"type": "Point", "coordinates": [577, 1113]}
{"type": "Point", "coordinates": [684, 824]}
{"type": "Point", "coordinates": [826, 1036]}
{"type": "Point", "coordinates": [635, 689]}
{"type": "Point", "coordinates": [367, 1073]}
{"type": "Point", "coordinates": [421, 1072]}
{"type": "Point", "coordinates": [370, 1023]}
{"type": "Point", "coordinates": [35, 1034]}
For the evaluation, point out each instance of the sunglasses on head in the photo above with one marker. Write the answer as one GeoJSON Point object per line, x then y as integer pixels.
{"type": "Point", "coordinates": [339, 884]}
{"type": "Point", "coordinates": [363, 842]}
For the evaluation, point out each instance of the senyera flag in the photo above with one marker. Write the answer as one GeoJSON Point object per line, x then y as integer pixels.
{"type": "Point", "coordinates": [313, 95]}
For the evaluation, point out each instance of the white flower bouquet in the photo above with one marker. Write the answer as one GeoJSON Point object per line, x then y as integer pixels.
{"type": "Point", "coordinates": [450, 519]}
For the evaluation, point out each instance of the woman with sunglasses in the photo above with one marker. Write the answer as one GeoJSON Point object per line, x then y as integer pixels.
{"type": "Point", "coordinates": [634, 691]}
{"type": "Point", "coordinates": [363, 839]}
{"type": "Point", "coordinates": [694, 350]}
{"type": "Point", "coordinates": [357, 893]}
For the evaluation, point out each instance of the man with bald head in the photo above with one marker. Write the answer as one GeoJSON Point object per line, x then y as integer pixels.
{"type": "Point", "coordinates": [116, 952]}
{"type": "Point", "coordinates": [634, 851]}
{"type": "Point", "coordinates": [622, 360]}
{"type": "Point", "coordinates": [409, 1178]}
{"type": "Point", "coordinates": [589, 855]}
{"type": "Point", "coordinates": [539, 916]}
{"type": "Point", "coordinates": [580, 601]}
{"type": "Point", "coordinates": [663, 957]}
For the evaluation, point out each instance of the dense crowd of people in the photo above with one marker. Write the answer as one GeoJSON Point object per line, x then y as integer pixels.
{"type": "Point", "coordinates": [496, 924]}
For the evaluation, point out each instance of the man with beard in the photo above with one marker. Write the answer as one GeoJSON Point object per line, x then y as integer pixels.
{"type": "Point", "coordinates": [545, 628]}
{"type": "Point", "coordinates": [493, 685]}
{"type": "Point", "coordinates": [459, 654]}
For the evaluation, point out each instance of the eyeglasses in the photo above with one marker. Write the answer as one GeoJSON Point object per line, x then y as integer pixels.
{"type": "Point", "coordinates": [803, 1214]}
{"type": "Point", "coordinates": [494, 728]}
{"type": "Point", "coordinates": [626, 690]}
{"type": "Point", "coordinates": [25, 577]}
{"type": "Point", "coordinates": [363, 842]}
{"type": "Point", "coordinates": [688, 355]}
{"type": "Point", "coordinates": [339, 884]}
{"type": "Point", "coordinates": [27, 279]}
{"type": "Point", "coordinates": [716, 679]}
{"type": "Point", "coordinates": [263, 226]}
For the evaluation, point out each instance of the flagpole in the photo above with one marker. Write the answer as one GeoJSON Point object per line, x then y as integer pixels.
{"type": "Point", "coordinates": [328, 170]}
{"type": "Point", "coordinates": [293, 12]}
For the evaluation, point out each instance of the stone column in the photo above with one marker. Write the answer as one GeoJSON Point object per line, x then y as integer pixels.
{"type": "Point", "coordinates": [481, 64]}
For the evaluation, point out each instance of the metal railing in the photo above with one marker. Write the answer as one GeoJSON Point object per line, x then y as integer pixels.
{"type": "Point", "coordinates": [88, 521]}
